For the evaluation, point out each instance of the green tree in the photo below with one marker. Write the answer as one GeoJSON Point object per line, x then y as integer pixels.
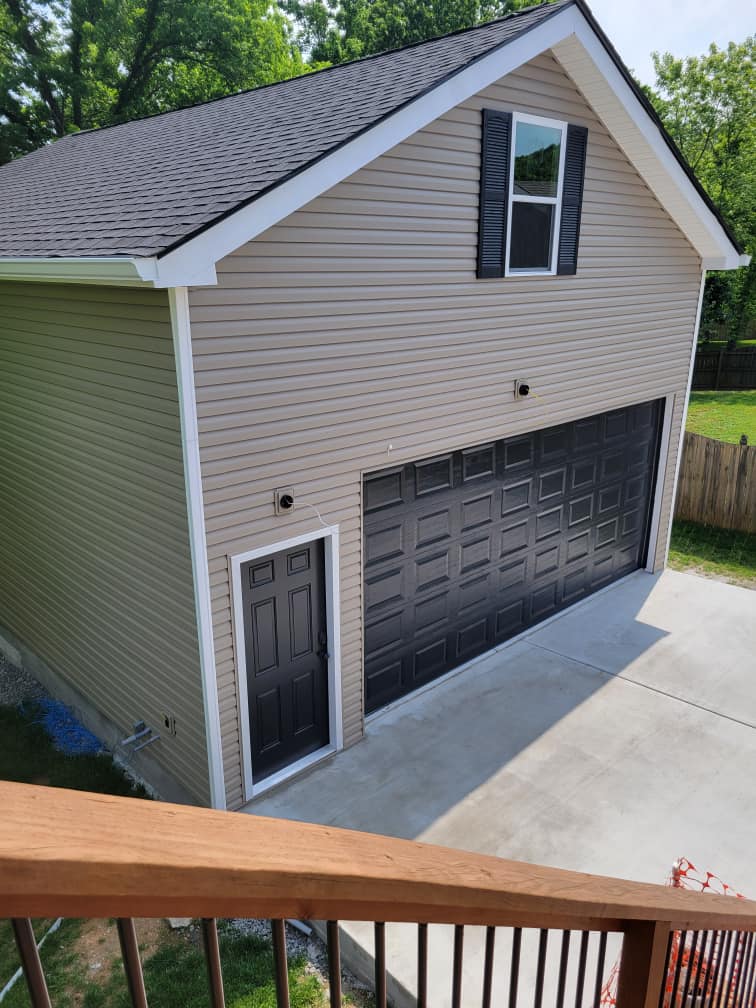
{"type": "Point", "coordinates": [708, 104]}
{"type": "Point", "coordinates": [75, 64]}
{"type": "Point", "coordinates": [336, 30]}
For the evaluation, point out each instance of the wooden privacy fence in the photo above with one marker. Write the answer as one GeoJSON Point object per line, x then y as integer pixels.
{"type": "Point", "coordinates": [724, 369]}
{"type": "Point", "coordinates": [717, 484]}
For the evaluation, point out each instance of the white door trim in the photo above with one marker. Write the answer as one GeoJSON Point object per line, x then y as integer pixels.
{"type": "Point", "coordinates": [330, 535]}
{"type": "Point", "coordinates": [661, 479]}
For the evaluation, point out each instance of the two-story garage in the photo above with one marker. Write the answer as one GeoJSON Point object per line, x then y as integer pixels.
{"type": "Point", "coordinates": [313, 393]}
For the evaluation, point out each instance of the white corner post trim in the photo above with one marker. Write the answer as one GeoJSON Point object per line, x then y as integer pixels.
{"type": "Point", "coordinates": [662, 466]}
{"type": "Point", "coordinates": [182, 347]}
{"type": "Point", "coordinates": [685, 413]}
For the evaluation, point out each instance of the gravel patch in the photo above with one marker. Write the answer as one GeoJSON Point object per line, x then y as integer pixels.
{"type": "Point", "coordinates": [17, 686]}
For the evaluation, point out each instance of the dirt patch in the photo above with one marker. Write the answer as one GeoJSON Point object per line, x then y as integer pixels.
{"type": "Point", "coordinates": [742, 581]}
{"type": "Point", "coordinates": [98, 949]}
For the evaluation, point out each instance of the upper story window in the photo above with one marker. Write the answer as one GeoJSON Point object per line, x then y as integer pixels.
{"type": "Point", "coordinates": [531, 195]}
{"type": "Point", "coordinates": [536, 170]}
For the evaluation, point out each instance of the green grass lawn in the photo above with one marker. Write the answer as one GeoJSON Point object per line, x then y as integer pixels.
{"type": "Point", "coordinates": [81, 960]}
{"type": "Point", "coordinates": [716, 344]}
{"type": "Point", "coordinates": [177, 975]}
{"type": "Point", "coordinates": [83, 969]}
{"type": "Point", "coordinates": [723, 415]}
{"type": "Point", "coordinates": [29, 756]}
{"type": "Point", "coordinates": [720, 553]}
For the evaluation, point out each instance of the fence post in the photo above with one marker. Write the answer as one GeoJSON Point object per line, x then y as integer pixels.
{"type": "Point", "coordinates": [719, 369]}
{"type": "Point", "coordinates": [643, 965]}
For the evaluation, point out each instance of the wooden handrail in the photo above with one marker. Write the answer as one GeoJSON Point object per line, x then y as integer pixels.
{"type": "Point", "coordinates": [70, 853]}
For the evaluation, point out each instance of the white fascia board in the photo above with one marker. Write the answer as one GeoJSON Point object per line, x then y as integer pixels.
{"type": "Point", "coordinates": [595, 73]}
{"type": "Point", "coordinates": [725, 263]}
{"type": "Point", "coordinates": [244, 225]}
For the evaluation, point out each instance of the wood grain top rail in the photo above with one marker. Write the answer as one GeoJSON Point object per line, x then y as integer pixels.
{"type": "Point", "coordinates": [69, 853]}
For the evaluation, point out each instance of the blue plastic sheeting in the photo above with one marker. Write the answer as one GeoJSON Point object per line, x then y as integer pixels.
{"type": "Point", "coordinates": [68, 735]}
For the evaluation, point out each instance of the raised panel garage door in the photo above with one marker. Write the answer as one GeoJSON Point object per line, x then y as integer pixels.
{"type": "Point", "coordinates": [464, 550]}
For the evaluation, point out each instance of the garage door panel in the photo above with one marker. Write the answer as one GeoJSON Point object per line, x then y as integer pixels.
{"type": "Point", "coordinates": [432, 528]}
{"type": "Point", "coordinates": [575, 585]}
{"type": "Point", "coordinates": [586, 435]}
{"type": "Point", "coordinates": [464, 550]}
{"type": "Point", "coordinates": [616, 424]}
{"type": "Point", "coordinates": [432, 476]}
{"type": "Point", "coordinates": [384, 490]}
{"type": "Point", "coordinates": [583, 474]}
{"type": "Point", "coordinates": [515, 496]}
{"type": "Point", "coordinates": [518, 454]}
{"type": "Point", "coordinates": [477, 511]}
{"type": "Point", "coordinates": [478, 463]}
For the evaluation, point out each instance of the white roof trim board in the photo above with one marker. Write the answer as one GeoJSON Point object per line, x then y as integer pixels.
{"type": "Point", "coordinates": [595, 73]}
{"type": "Point", "coordinates": [578, 46]}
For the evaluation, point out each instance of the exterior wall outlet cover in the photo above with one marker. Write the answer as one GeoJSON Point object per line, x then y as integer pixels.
{"type": "Point", "coordinates": [283, 500]}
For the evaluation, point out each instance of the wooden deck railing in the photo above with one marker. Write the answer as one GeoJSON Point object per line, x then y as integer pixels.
{"type": "Point", "coordinates": [73, 854]}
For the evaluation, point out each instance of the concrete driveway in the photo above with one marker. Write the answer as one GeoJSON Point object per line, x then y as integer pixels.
{"type": "Point", "coordinates": [612, 739]}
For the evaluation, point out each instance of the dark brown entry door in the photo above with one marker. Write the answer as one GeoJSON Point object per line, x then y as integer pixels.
{"type": "Point", "coordinates": [287, 656]}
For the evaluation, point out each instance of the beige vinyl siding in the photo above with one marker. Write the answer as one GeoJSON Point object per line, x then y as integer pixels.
{"type": "Point", "coordinates": [355, 335]}
{"type": "Point", "coordinates": [94, 544]}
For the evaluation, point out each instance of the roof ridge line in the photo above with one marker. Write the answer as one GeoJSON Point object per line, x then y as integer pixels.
{"type": "Point", "coordinates": [307, 75]}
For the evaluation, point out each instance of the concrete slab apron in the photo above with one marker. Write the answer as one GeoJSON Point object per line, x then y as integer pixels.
{"type": "Point", "coordinates": [613, 740]}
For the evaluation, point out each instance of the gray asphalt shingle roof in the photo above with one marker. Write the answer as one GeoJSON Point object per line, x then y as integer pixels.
{"type": "Point", "coordinates": [140, 188]}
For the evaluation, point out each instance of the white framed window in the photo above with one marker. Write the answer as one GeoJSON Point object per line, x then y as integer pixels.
{"type": "Point", "coordinates": [536, 177]}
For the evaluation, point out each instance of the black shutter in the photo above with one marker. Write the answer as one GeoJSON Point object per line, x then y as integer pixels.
{"type": "Point", "coordinates": [494, 187]}
{"type": "Point", "coordinates": [572, 199]}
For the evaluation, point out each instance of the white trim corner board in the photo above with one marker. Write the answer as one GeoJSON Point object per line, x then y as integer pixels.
{"type": "Point", "coordinates": [182, 346]}
{"type": "Point", "coordinates": [661, 480]}
{"type": "Point", "coordinates": [683, 421]}
{"type": "Point", "coordinates": [330, 535]}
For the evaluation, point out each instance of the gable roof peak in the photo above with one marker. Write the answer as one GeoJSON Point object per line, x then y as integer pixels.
{"type": "Point", "coordinates": [188, 186]}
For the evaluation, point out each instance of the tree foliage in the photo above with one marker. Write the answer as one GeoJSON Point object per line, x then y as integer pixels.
{"type": "Point", "coordinates": [708, 104]}
{"type": "Point", "coordinates": [337, 30]}
{"type": "Point", "coordinates": [74, 64]}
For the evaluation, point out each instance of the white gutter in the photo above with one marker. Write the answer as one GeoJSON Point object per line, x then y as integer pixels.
{"type": "Point", "coordinates": [119, 271]}
{"type": "Point", "coordinates": [126, 270]}
{"type": "Point", "coordinates": [182, 346]}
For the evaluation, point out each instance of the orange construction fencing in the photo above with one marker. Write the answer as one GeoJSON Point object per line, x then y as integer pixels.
{"type": "Point", "coordinates": [699, 956]}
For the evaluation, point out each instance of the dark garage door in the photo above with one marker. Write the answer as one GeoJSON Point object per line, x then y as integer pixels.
{"type": "Point", "coordinates": [462, 551]}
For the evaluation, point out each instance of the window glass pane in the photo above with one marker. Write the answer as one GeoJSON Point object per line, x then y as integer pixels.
{"type": "Point", "coordinates": [536, 167]}
{"type": "Point", "coordinates": [530, 240]}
